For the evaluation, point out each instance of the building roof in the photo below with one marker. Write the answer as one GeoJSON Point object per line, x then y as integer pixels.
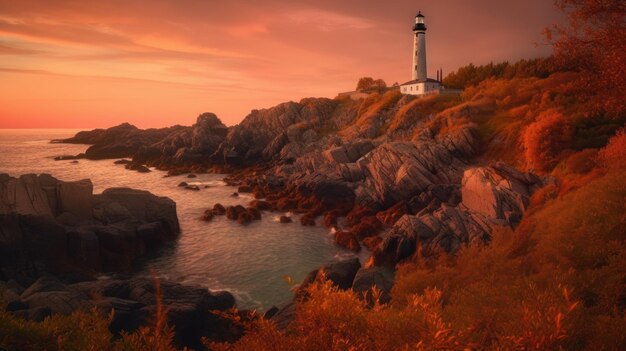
{"type": "Point", "coordinates": [419, 14]}
{"type": "Point", "coordinates": [429, 80]}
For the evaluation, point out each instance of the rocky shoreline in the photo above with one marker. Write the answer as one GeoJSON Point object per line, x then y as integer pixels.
{"type": "Point", "coordinates": [58, 239]}
{"type": "Point", "coordinates": [382, 174]}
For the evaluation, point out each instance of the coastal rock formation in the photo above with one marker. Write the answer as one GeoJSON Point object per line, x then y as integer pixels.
{"type": "Point", "coordinates": [340, 273]}
{"type": "Point", "coordinates": [134, 301]}
{"type": "Point", "coordinates": [397, 171]}
{"type": "Point", "coordinates": [375, 277]}
{"type": "Point", "coordinates": [164, 147]}
{"type": "Point", "coordinates": [47, 225]}
{"type": "Point", "coordinates": [490, 196]}
{"type": "Point", "coordinates": [120, 141]}
{"type": "Point", "coordinates": [499, 192]}
{"type": "Point", "coordinates": [191, 145]}
{"type": "Point", "coordinates": [263, 134]}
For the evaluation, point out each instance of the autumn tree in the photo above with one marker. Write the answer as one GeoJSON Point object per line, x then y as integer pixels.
{"type": "Point", "coordinates": [369, 83]}
{"type": "Point", "coordinates": [593, 42]}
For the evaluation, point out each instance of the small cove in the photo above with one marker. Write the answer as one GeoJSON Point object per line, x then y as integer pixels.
{"type": "Point", "coordinates": [250, 261]}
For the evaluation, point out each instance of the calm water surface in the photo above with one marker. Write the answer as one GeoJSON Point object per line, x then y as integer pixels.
{"type": "Point", "coordinates": [249, 261]}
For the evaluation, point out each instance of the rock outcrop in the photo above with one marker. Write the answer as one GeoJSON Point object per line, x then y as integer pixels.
{"type": "Point", "coordinates": [499, 192]}
{"type": "Point", "coordinates": [191, 145]}
{"type": "Point", "coordinates": [264, 134]}
{"type": "Point", "coordinates": [490, 196]}
{"type": "Point", "coordinates": [120, 141]}
{"type": "Point", "coordinates": [47, 225]}
{"type": "Point", "coordinates": [134, 302]}
{"type": "Point", "coordinates": [340, 273]}
{"type": "Point", "coordinates": [164, 147]}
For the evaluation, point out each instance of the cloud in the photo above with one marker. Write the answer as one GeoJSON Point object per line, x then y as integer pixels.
{"type": "Point", "coordinates": [326, 20]}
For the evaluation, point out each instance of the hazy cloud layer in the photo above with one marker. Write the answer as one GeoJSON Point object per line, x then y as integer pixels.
{"type": "Point", "coordinates": [97, 63]}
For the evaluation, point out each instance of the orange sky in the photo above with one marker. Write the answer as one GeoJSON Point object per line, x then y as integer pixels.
{"type": "Point", "coordinates": [84, 63]}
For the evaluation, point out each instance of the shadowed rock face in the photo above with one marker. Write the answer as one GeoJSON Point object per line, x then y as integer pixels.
{"type": "Point", "coordinates": [53, 228]}
{"type": "Point", "coordinates": [134, 301]}
{"type": "Point", "coordinates": [173, 146]}
{"type": "Point", "coordinates": [120, 141]}
{"type": "Point", "coordinates": [47, 225]}
{"type": "Point", "coordinates": [491, 196]}
{"type": "Point", "coordinates": [263, 134]}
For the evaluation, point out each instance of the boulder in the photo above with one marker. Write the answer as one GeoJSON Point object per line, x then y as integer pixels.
{"type": "Point", "coordinates": [254, 213]}
{"type": "Point", "coordinates": [261, 205]}
{"type": "Point", "coordinates": [143, 206]}
{"type": "Point", "coordinates": [207, 216]}
{"type": "Point", "coordinates": [368, 278]}
{"type": "Point", "coordinates": [308, 219]}
{"type": "Point", "coordinates": [340, 273]}
{"type": "Point", "coordinates": [233, 212]}
{"type": "Point", "coordinates": [244, 217]}
{"type": "Point", "coordinates": [498, 192]}
{"type": "Point", "coordinates": [347, 240]}
{"type": "Point", "coordinates": [218, 210]}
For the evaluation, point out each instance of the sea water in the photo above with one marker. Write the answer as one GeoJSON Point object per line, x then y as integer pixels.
{"type": "Point", "coordinates": [251, 261]}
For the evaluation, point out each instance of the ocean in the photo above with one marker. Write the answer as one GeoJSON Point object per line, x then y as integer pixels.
{"type": "Point", "coordinates": [250, 261]}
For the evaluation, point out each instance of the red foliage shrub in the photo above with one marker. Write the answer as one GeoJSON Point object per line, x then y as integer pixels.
{"type": "Point", "coordinates": [546, 139]}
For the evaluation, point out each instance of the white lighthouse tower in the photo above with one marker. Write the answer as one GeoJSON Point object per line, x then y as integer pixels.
{"type": "Point", "coordinates": [420, 83]}
{"type": "Point", "coordinates": [419, 48]}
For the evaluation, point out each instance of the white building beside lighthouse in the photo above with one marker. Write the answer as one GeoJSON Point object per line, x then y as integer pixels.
{"type": "Point", "coordinates": [420, 83]}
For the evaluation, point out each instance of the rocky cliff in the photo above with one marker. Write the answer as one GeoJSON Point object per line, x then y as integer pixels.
{"type": "Point", "coordinates": [402, 171]}
{"type": "Point", "coordinates": [55, 235]}
{"type": "Point", "coordinates": [48, 225]}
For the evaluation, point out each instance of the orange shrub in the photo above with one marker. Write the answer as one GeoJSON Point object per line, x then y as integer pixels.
{"type": "Point", "coordinates": [546, 139]}
{"type": "Point", "coordinates": [613, 155]}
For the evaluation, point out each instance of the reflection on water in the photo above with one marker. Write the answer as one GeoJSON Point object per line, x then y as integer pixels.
{"type": "Point", "coordinates": [250, 261]}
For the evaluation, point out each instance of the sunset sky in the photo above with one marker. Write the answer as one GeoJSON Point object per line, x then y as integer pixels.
{"type": "Point", "coordinates": [84, 64]}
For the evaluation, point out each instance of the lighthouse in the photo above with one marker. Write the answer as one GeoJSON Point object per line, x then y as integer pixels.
{"type": "Point", "coordinates": [419, 48]}
{"type": "Point", "coordinates": [420, 84]}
